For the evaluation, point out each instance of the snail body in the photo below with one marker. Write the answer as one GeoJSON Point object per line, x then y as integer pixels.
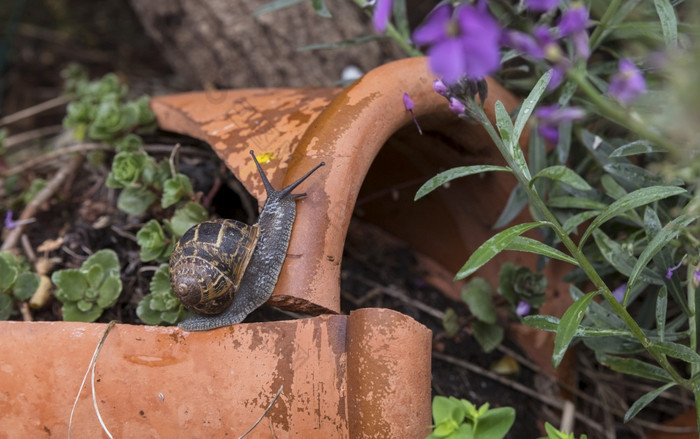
{"type": "Point", "coordinates": [224, 269]}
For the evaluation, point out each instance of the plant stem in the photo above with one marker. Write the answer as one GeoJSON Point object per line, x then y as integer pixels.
{"type": "Point", "coordinates": [603, 24]}
{"type": "Point", "coordinates": [541, 208]}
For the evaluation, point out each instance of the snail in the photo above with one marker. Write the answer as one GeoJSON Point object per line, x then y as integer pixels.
{"type": "Point", "coordinates": [223, 269]}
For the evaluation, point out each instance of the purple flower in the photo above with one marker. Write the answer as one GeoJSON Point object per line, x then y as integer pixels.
{"type": "Point", "coordinates": [381, 14]}
{"type": "Point", "coordinates": [523, 43]}
{"type": "Point", "coordinates": [573, 23]}
{"type": "Point", "coordinates": [408, 103]}
{"type": "Point", "coordinates": [462, 42]}
{"type": "Point", "coordinates": [439, 87]}
{"type": "Point", "coordinates": [670, 270]}
{"type": "Point", "coordinates": [523, 308]}
{"type": "Point", "coordinates": [628, 83]}
{"type": "Point", "coordinates": [9, 223]}
{"type": "Point", "coordinates": [457, 107]}
{"type": "Point", "coordinates": [619, 292]}
{"type": "Point", "coordinates": [541, 5]}
{"type": "Point", "coordinates": [696, 277]}
{"type": "Point", "coordinates": [549, 118]}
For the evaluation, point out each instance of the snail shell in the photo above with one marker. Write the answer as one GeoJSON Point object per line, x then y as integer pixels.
{"type": "Point", "coordinates": [208, 263]}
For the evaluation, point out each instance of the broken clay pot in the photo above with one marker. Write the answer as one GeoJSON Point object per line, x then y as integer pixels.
{"type": "Point", "coordinates": [375, 162]}
{"type": "Point", "coordinates": [362, 375]}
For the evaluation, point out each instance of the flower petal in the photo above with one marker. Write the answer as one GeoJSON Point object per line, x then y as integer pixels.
{"type": "Point", "coordinates": [434, 29]}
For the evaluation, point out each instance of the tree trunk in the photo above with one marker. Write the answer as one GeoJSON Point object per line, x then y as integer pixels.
{"type": "Point", "coordinates": [219, 42]}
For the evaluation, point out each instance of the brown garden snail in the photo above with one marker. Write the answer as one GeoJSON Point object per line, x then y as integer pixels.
{"type": "Point", "coordinates": [223, 269]}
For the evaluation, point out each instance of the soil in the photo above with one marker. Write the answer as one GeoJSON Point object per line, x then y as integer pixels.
{"type": "Point", "coordinates": [109, 38]}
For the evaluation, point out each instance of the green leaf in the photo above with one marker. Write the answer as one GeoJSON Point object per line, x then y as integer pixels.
{"type": "Point", "coordinates": [135, 200]}
{"type": "Point", "coordinates": [487, 335]}
{"type": "Point", "coordinates": [645, 400]}
{"type": "Point", "coordinates": [568, 326]}
{"type": "Point", "coordinates": [107, 259]}
{"type": "Point", "coordinates": [94, 275]}
{"type": "Point", "coordinates": [640, 197]}
{"type": "Point", "coordinates": [574, 221]}
{"type": "Point", "coordinates": [493, 246]}
{"type": "Point", "coordinates": [635, 148]}
{"type": "Point", "coordinates": [660, 314]}
{"type": "Point", "coordinates": [450, 322]}
{"type": "Point", "coordinates": [320, 8]}
{"type": "Point", "coordinates": [26, 286]}
{"type": "Point", "coordinates": [109, 292]}
{"type": "Point", "coordinates": [350, 42]}
{"type": "Point", "coordinates": [575, 203]}
{"type": "Point", "coordinates": [676, 350]}
{"type": "Point", "coordinates": [478, 295]}
{"type": "Point", "coordinates": [71, 313]}
{"type": "Point", "coordinates": [529, 104]}
{"type": "Point", "coordinates": [669, 23]}
{"type": "Point", "coordinates": [525, 244]}
{"type": "Point", "coordinates": [662, 237]}
{"type": "Point", "coordinates": [6, 306]}
{"type": "Point", "coordinates": [504, 124]}
{"type": "Point", "coordinates": [8, 275]}
{"type": "Point", "coordinates": [515, 204]}
{"type": "Point", "coordinates": [152, 241]}
{"type": "Point", "coordinates": [174, 189]}
{"type": "Point", "coordinates": [451, 174]}
{"type": "Point", "coordinates": [160, 283]}
{"type": "Point", "coordinates": [633, 175]}
{"type": "Point", "coordinates": [187, 216]}
{"type": "Point", "coordinates": [623, 262]}
{"type": "Point", "coordinates": [495, 423]}
{"type": "Point", "coordinates": [563, 174]}
{"type": "Point", "coordinates": [612, 188]}
{"type": "Point", "coordinates": [632, 366]}
{"type": "Point", "coordinates": [71, 284]}
{"type": "Point", "coordinates": [274, 6]}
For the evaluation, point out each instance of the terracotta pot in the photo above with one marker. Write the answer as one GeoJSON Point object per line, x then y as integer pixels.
{"type": "Point", "coordinates": [363, 375]}
{"type": "Point", "coordinates": [375, 162]}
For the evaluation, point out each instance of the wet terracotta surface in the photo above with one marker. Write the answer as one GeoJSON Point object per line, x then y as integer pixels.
{"type": "Point", "coordinates": [347, 129]}
{"type": "Point", "coordinates": [375, 163]}
{"type": "Point", "coordinates": [162, 382]}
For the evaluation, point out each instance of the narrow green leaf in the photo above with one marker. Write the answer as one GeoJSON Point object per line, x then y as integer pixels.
{"type": "Point", "coordinates": [529, 104]}
{"type": "Point", "coordinates": [320, 8]}
{"type": "Point", "coordinates": [569, 325]}
{"type": "Point", "coordinates": [669, 23]}
{"type": "Point", "coordinates": [640, 197]}
{"type": "Point", "coordinates": [451, 174]}
{"type": "Point", "coordinates": [663, 237]}
{"type": "Point", "coordinates": [635, 148]}
{"type": "Point", "coordinates": [542, 322]}
{"type": "Point", "coordinates": [275, 5]}
{"type": "Point", "coordinates": [400, 17]}
{"type": "Point", "coordinates": [563, 174]}
{"type": "Point", "coordinates": [576, 220]}
{"type": "Point", "coordinates": [645, 400]}
{"type": "Point", "coordinates": [576, 203]}
{"type": "Point", "coordinates": [623, 262]}
{"type": "Point", "coordinates": [633, 176]}
{"type": "Point", "coordinates": [661, 306]}
{"type": "Point", "coordinates": [632, 366]}
{"type": "Point", "coordinates": [525, 244]}
{"type": "Point", "coordinates": [676, 350]}
{"type": "Point", "coordinates": [515, 204]}
{"type": "Point", "coordinates": [504, 124]}
{"type": "Point", "coordinates": [493, 246]}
